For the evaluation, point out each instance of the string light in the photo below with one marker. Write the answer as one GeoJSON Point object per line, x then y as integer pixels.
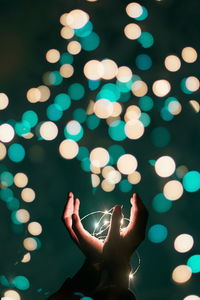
{"type": "Point", "coordinates": [101, 227]}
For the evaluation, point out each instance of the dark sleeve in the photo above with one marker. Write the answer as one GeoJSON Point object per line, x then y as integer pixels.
{"type": "Point", "coordinates": [84, 282]}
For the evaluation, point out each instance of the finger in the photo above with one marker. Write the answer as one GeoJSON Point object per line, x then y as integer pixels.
{"type": "Point", "coordinates": [78, 228]}
{"type": "Point", "coordinates": [138, 217]}
{"type": "Point", "coordinates": [69, 207]}
{"type": "Point", "coordinates": [114, 230]}
{"type": "Point", "coordinates": [76, 206]}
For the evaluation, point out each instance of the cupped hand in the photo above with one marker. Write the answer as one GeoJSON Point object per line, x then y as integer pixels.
{"type": "Point", "coordinates": [118, 246]}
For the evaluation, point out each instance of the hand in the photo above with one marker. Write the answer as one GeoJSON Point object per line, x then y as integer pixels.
{"type": "Point", "coordinates": [116, 242]}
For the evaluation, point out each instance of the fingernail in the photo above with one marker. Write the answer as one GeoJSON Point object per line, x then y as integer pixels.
{"type": "Point", "coordinates": [70, 194]}
{"type": "Point", "coordinates": [118, 209]}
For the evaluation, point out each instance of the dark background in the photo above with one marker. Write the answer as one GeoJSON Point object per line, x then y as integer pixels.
{"type": "Point", "coordinates": [27, 30]}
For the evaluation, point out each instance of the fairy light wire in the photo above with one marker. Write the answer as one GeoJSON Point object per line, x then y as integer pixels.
{"type": "Point", "coordinates": [99, 229]}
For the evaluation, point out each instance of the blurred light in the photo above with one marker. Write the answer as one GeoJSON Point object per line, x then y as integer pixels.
{"type": "Point", "coordinates": [67, 32]}
{"type": "Point", "coordinates": [52, 56]}
{"type": "Point", "coordinates": [20, 180]}
{"type": "Point", "coordinates": [48, 131]}
{"type": "Point", "coordinates": [192, 297]}
{"type": "Point", "coordinates": [103, 108]}
{"type": "Point", "coordinates": [194, 263]}
{"type": "Point", "coordinates": [157, 233]}
{"type": "Point", "coordinates": [44, 93]}
{"type": "Point", "coordinates": [7, 133]}
{"type": "Point", "coordinates": [99, 157]}
{"type": "Point", "coordinates": [116, 130]}
{"type": "Point", "coordinates": [63, 20]}
{"type": "Point", "coordinates": [54, 112]}
{"type": "Point", "coordinates": [134, 129]}
{"type": "Point", "coordinates": [132, 31]}
{"type": "Point", "coordinates": [134, 10]}
{"type": "Point", "coordinates": [181, 274]}
{"type": "Point", "coordinates": [139, 88]}
{"type": "Point", "coordinates": [113, 177]}
{"type": "Point", "coordinates": [165, 166]}
{"type": "Point", "coordinates": [31, 117]}
{"type": "Point", "coordinates": [30, 244]}
{"type": "Point", "coordinates": [124, 74]}
{"type": "Point", "coordinates": [4, 101]}
{"type": "Point", "coordinates": [35, 228]}
{"type": "Point", "coordinates": [79, 115]}
{"type": "Point", "coordinates": [161, 88]}
{"type": "Point", "coordinates": [28, 195]}
{"type": "Point", "coordinates": [106, 170]}
{"type": "Point", "coordinates": [181, 171]}
{"type": "Point", "coordinates": [21, 283]}
{"type": "Point", "coordinates": [174, 107]}
{"type": "Point", "coordinates": [6, 178]}
{"type": "Point", "coordinates": [68, 149]}
{"type": "Point", "coordinates": [16, 152]}
{"type": "Point", "coordinates": [161, 204]}
{"type": "Point", "coordinates": [191, 181]}
{"type": "Point", "coordinates": [110, 69]}
{"type": "Point", "coordinates": [189, 54]}
{"type": "Point", "coordinates": [146, 103]}
{"type": "Point", "coordinates": [134, 177]}
{"type": "Point", "coordinates": [173, 190]}
{"type": "Point", "coordinates": [143, 62]}
{"type": "Point", "coordinates": [33, 95]}
{"type": "Point", "coordinates": [85, 30]}
{"type": "Point", "coordinates": [183, 243]}
{"type": "Point", "coordinates": [63, 101]}
{"type": "Point", "coordinates": [146, 40]}
{"type": "Point", "coordinates": [12, 295]}
{"type": "Point", "coordinates": [93, 69]}
{"type": "Point", "coordinates": [73, 130]}
{"type": "Point", "coordinates": [74, 47]}
{"type": "Point", "coordinates": [26, 258]}
{"type": "Point", "coordinates": [92, 122]}
{"type": "Point", "coordinates": [127, 164]}
{"type": "Point", "coordinates": [22, 215]}
{"type": "Point", "coordinates": [66, 70]}
{"type": "Point", "coordinates": [66, 58]}
{"type": "Point", "coordinates": [3, 151]}
{"type": "Point", "coordinates": [76, 91]}
{"type": "Point", "coordinates": [77, 18]}
{"type": "Point", "coordinates": [195, 105]}
{"type": "Point", "coordinates": [93, 169]}
{"type": "Point", "coordinates": [117, 109]}
{"type": "Point", "coordinates": [107, 186]}
{"type": "Point", "coordinates": [95, 180]}
{"type": "Point", "coordinates": [172, 63]}
{"type": "Point", "coordinates": [192, 83]}
{"type": "Point", "coordinates": [90, 42]}
{"type": "Point", "coordinates": [125, 186]}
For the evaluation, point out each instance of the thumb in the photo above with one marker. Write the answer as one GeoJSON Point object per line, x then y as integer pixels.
{"type": "Point", "coordinates": [114, 230]}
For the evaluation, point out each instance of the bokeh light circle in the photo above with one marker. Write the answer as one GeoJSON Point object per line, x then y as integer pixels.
{"type": "Point", "coordinates": [48, 131]}
{"type": "Point", "coordinates": [173, 190]}
{"type": "Point", "coordinates": [7, 133]}
{"type": "Point", "coordinates": [99, 157]}
{"type": "Point", "coordinates": [191, 181]}
{"type": "Point", "coordinates": [4, 101]}
{"type": "Point", "coordinates": [183, 243]}
{"type": "Point", "coordinates": [127, 164]}
{"type": "Point", "coordinates": [157, 233]}
{"type": "Point", "coordinates": [181, 274]}
{"type": "Point", "coordinates": [68, 149]}
{"type": "Point", "coordinates": [165, 166]}
{"type": "Point", "coordinates": [161, 87]}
